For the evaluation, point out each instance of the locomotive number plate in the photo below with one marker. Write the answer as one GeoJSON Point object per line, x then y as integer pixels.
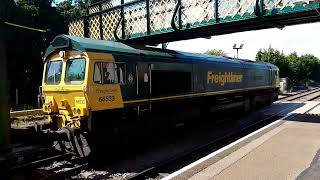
{"type": "Point", "coordinates": [107, 98]}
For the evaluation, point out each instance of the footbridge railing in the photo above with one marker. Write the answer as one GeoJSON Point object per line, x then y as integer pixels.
{"type": "Point", "coordinates": [156, 21]}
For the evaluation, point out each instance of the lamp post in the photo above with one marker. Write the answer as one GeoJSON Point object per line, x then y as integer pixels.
{"type": "Point", "coordinates": [235, 46]}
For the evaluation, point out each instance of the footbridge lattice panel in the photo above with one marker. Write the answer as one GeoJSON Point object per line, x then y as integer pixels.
{"type": "Point", "coordinates": [168, 20]}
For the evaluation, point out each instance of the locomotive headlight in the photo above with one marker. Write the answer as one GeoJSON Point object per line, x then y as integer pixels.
{"type": "Point", "coordinates": [74, 111]}
{"type": "Point", "coordinates": [62, 54]}
{"type": "Point", "coordinates": [78, 111]}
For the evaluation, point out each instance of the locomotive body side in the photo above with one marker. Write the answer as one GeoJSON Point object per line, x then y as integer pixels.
{"type": "Point", "coordinates": [186, 77]}
{"type": "Point", "coordinates": [95, 81]}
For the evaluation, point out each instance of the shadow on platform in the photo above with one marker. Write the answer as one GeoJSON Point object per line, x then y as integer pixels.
{"type": "Point", "coordinates": [310, 118]}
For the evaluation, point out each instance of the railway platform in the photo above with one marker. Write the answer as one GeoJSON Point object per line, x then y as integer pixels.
{"type": "Point", "coordinates": [288, 148]}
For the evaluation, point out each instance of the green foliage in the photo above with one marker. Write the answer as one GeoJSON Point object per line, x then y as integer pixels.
{"type": "Point", "coordinates": [71, 9]}
{"type": "Point", "coordinates": [277, 58]}
{"type": "Point", "coordinates": [39, 14]}
{"type": "Point", "coordinates": [24, 47]}
{"type": "Point", "coordinates": [42, 13]}
{"type": "Point", "coordinates": [94, 1]}
{"type": "Point", "coordinates": [7, 9]}
{"type": "Point", "coordinates": [216, 52]}
{"type": "Point", "coordinates": [296, 67]}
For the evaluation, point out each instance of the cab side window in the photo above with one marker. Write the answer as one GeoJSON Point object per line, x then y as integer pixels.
{"type": "Point", "coordinates": [109, 73]}
{"type": "Point", "coordinates": [97, 73]}
{"type": "Point", "coordinates": [121, 73]}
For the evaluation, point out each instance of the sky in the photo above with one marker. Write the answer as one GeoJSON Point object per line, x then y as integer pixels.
{"type": "Point", "coordinates": [302, 39]}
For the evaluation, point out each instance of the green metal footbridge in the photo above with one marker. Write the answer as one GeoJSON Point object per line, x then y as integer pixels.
{"type": "Point", "coordinates": [158, 21]}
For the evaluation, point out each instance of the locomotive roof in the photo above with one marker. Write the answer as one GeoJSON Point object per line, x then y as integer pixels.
{"type": "Point", "coordinates": [65, 42]}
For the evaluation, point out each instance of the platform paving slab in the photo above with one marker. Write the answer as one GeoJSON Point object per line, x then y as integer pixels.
{"type": "Point", "coordinates": [280, 150]}
{"type": "Point", "coordinates": [286, 152]}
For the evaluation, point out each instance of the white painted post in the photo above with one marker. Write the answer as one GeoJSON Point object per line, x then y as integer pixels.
{"type": "Point", "coordinates": [17, 97]}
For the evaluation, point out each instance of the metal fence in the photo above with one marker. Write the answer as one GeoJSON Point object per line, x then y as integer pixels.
{"type": "Point", "coordinates": [125, 19]}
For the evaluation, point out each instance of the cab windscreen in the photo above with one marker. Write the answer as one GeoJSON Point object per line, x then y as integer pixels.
{"type": "Point", "coordinates": [75, 71]}
{"type": "Point", "coordinates": [53, 72]}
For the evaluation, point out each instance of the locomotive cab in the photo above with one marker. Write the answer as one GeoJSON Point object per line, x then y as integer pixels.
{"type": "Point", "coordinates": [64, 87]}
{"type": "Point", "coordinates": [76, 82]}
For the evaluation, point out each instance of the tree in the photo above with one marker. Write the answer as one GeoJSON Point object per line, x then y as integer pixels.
{"type": "Point", "coordinates": [277, 58]}
{"type": "Point", "coordinates": [7, 9]}
{"type": "Point", "coordinates": [216, 52]}
{"type": "Point", "coordinates": [24, 46]}
{"type": "Point", "coordinates": [270, 55]}
{"type": "Point", "coordinates": [295, 65]}
{"type": "Point", "coordinates": [71, 9]}
{"type": "Point", "coordinates": [308, 67]}
{"type": "Point", "coordinates": [300, 68]}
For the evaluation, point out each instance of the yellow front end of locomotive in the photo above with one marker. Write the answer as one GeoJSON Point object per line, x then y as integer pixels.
{"type": "Point", "coordinates": [70, 90]}
{"type": "Point", "coordinates": [64, 85]}
{"type": "Point", "coordinates": [65, 110]}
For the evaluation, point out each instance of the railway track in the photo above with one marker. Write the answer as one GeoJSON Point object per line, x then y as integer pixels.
{"type": "Point", "coordinates": [317, 99]}
{"type": "Point", "coordinates": [30, 112]}
{"type": "Point", "coordinates": [298, 96]}
{"type": "Point", "coordinates": [153, 172]}
{"type": "Point", "coordinates": [289, 95]}
{"type": "Point", "coordinates": [67, 165]}
{"type": "Point", "coordinates": [62, 169]}
{"type": "Point", "coordinates": [54, 167]}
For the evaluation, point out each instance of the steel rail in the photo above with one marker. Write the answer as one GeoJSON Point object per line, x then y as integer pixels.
{"type": "Point", "coordinates": [78, 163]}
{"type": "Point", "coordinates": [299, 95]}
{"type": "Point", "coordinates": [26, 112]}
{"type": "Point", "coordinates": [290, 95]}
{"type": "Point", "coordinates": [69, 172]}
{"type": "Point", "coordinates": [153, 170]}
{"type": "Point", "coordinates": [41, 162]}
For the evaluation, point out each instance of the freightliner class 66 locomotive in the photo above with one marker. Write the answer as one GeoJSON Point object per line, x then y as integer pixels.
{"type": "Point", "coordinates": [96, 85]}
